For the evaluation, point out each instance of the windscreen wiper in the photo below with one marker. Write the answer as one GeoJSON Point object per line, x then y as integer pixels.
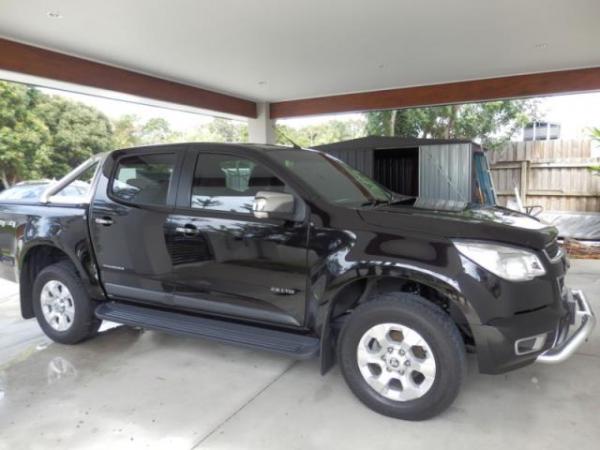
{"type": "Point", "coordinates": [374, 202]}
{"type": "Point", "coordinates": [402, 200]}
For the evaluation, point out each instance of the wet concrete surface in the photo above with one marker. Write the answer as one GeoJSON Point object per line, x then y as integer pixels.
{"type": "Point", "coordinates": [129, 388]}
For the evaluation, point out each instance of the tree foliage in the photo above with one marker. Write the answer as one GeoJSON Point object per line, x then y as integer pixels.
{"type": "Point", "coordinates": [130, 131]}
{"type": "Point", "coordinates": [44, 136]}
{"type": "Point", "coordinates": [125, 131]}
{"type": "Point", "coordinates": [322, 133]}
{"type": "Point", "coordinates": [77, 131]}
{"type": "Point", "coordinates": [23, 134]}
{"type": "Point", "coordinates": [491, 123]}
{"type": "Point", "coordinates": [220, 130]}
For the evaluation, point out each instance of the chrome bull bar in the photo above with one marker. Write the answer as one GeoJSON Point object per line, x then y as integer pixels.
{"type": "Point", "coordinates": [566, 345]}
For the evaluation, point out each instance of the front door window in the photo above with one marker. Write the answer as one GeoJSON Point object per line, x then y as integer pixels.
{"type": "Point", "coordinates": [229, 183]}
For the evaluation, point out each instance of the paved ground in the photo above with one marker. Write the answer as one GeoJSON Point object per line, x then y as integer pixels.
{"type": "Point", "coordinates": [133, 389]}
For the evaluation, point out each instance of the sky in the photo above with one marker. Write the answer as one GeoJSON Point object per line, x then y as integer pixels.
{"type": "Point", "coordinates": [575, 113]}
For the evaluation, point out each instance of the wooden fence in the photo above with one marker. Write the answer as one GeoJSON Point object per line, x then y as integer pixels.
{"type": "Point", "coordinates": [552, 174]}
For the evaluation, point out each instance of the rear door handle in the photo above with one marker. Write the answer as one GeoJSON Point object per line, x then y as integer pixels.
{"type": "Point", "coordinates": [187, 230]}
{"type": "Point", "coordinates": [106, 221]}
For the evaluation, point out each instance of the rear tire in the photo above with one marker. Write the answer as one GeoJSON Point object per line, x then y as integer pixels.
{"type": "Point", "coordinates": [402, 356]}
{"type": "Point", "coordinates": [62, 306]}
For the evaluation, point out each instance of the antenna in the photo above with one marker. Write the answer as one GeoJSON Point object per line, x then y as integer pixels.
{"type": "Point", "coordinates": [287, 138]}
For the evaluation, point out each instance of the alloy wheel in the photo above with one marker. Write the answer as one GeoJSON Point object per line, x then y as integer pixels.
{"type": "Point", "coordinates": [58, 306]}
{"type": "Point", "coordinates": [396, 362]}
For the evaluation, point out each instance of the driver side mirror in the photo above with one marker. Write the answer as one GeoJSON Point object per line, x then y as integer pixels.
{"type": "Point", "coordinates": [273, 205]}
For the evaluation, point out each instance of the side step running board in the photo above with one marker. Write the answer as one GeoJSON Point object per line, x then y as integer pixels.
{"type": "Point", "coordinates": [295, 345]}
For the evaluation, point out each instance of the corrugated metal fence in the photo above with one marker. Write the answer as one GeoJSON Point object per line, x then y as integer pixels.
{"type": "Point", "coordinates": [552, 174]}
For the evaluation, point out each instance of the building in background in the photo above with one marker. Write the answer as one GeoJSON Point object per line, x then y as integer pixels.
{"type": "Point", "coordinates": [541, 131]}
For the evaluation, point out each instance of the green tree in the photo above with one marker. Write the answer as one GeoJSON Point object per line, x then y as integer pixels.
{"type": "Point", "coordinates": [323, 133]}
{"type": "Point", "coordinates": [158, 131]}
{"type": "Point", "coordinates": [43, 136]}
{"type": "Point", "coordinates": [130, 131]}
{"type": "Point", "coordinates": [77, 131]}
{"type": "Point", "coordinates": [220, 130]}
{"type": "Point", "coordinates": [23, 135]}
{"type": "Point", "coordinates": [126, 132]}
{"type": "Point", "coordinates": [491, 123]}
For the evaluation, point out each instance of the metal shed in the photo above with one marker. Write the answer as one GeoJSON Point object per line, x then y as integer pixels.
{"type": "Point", "coordinates": [428, 168]}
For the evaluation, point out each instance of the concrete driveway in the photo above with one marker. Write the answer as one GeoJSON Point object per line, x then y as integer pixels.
{"type": "Point", "coordinates": [133, 389]}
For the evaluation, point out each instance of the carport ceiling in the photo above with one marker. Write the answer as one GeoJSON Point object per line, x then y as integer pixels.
{"type": "Point", "coordinates": [278, 50]}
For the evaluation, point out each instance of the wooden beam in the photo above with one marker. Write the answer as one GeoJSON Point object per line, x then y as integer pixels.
{"type": "Point", "coordinates": [26, 59]}
{"type": "Point", "coordinates": [540, 84]}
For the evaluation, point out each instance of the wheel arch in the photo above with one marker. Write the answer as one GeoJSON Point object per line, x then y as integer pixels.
{"type": "Point", "coordinates": [360, 289]}
{"type": "Point", "coordinates": [33, 260]}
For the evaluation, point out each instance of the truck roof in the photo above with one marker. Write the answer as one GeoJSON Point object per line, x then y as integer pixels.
{"type": "Point", "coordinates": [259, 147]}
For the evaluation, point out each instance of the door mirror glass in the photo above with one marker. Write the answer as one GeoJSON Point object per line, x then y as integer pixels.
{"type": "Point", "coordinates": [273, 205]}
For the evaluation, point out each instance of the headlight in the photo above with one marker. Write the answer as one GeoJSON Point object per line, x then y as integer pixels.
{"type": "Point", "coordinates": [510, 263]}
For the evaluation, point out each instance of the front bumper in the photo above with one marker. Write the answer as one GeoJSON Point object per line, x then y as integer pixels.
{"type": "Point", "coordinates": [564, 344]}
{"type": "Point", "coordinates": [497, 341]}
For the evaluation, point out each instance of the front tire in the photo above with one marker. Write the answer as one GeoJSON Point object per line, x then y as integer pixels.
{"type": "Point", "coordinates": [62, 306]}
{"type": "Point", "coordinates": [402, 356]}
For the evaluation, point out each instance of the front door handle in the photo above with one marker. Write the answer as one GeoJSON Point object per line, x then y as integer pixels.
{"type": "Point", "coordinates": [106, 221]}
{"type": "Point", "coordinates": [187, 230]}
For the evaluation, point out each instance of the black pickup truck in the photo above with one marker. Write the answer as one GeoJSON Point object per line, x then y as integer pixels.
{"type": "Point", "coordinates": [295, 252]}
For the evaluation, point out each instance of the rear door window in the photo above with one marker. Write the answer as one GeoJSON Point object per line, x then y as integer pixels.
{"type": "Point", "coordinates": [143, 179]}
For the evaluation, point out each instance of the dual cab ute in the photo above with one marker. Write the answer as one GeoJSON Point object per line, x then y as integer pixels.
{"type": "Point", "coordinates": [295, 252]}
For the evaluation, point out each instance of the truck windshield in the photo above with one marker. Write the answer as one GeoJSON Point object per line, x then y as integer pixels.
{"type": "Point", "coordinates": [333, 180]}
